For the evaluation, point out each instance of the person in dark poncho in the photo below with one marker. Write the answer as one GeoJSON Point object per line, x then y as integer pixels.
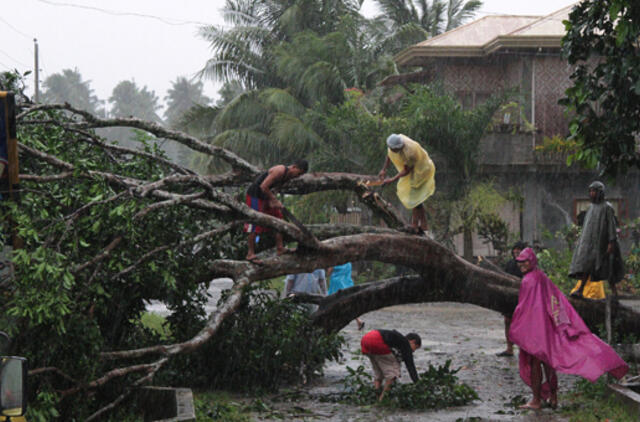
{"type": "Point", "coordinates": [597, 254]}
{"type": "Point", "coordinates": [385, 348]}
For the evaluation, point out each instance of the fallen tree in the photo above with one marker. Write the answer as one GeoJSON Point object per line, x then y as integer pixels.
{"type": "Point", "coordinates": [106, 228]}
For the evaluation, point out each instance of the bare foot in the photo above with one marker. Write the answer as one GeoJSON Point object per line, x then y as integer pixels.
{"type": "Point", "coordinates": [253, 259]}
{"type": "Point", "coordinates": [531, 405]}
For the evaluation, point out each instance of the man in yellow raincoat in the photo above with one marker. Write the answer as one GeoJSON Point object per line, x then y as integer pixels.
{"type": "Point", "coordinates": [416, 173]}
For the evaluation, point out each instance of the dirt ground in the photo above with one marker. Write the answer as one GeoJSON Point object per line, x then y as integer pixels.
{"type": "Point", "coordinates": [468, 335]}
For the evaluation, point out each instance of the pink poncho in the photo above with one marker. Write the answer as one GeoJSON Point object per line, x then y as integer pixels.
{"type": "Point", "coordinates": [546, 326]}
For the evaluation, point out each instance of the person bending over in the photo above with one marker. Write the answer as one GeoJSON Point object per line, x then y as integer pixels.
{"type": "Point", "coordinates": [383, 347]}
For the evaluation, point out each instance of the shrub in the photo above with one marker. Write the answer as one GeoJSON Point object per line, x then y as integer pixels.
{"type": "Point", "coordinates": [436, 388]}
{"type": "Point", "coordinates": [266, 343]}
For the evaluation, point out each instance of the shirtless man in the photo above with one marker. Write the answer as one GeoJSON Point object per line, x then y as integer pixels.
{"type": "Point", "coordinates": [261, 198]}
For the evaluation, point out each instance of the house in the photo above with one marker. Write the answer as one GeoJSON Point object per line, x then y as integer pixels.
{"type": "Point", "coordinates": [523, 54]}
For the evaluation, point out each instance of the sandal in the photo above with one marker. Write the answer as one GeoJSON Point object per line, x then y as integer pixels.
{"type": "Point", "coordinates": [505, 354]}
{"type": "Point", "coordinates": [529, 406]}
{"type": "Point", "coordinates": [360, 326]}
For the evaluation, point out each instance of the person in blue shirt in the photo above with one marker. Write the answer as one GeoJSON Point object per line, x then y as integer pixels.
{"type": "Point", "coordinates": [340, 278]}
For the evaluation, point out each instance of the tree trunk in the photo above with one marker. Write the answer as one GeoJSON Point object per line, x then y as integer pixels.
{"type": "Point", "coordinates": [468, 244]}
{"type": "Point", "coordinates": [337, 310]}
{"type": "Point", "coordinates": [443, 276]}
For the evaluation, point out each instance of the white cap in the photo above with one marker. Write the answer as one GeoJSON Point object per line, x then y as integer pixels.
{"type": "Point", "coordinates": [394, 141]}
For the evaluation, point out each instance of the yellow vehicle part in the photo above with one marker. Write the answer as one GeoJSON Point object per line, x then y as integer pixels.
{"type": "Point", "coordinates": [14, 419]}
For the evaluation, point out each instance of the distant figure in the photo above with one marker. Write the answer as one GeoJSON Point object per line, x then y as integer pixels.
{"type": "Point", "coordinates": [382, 347]}
{"type": "Point", "coordinates": [513, 269]}
{"type": "Point", "coordinates": [261, 198]}
{"type": "Point", "coordinates": [340, 278]}
{"type": "Point", "coordinates": [311, 283]}
{"type": "Point", "coordinates": [416, 172]}
{"type": "Point", "coordinates": [551, 334]}
{"type": "Point", "coordinates": [597, 254]}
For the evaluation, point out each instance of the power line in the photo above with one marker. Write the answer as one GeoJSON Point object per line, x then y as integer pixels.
{"type": "Point", "coordinates": [6, 67]}
{"type": "Point", "coordinates": [167, 21]}
{"type": "Point", "coordinates": [27, 36]}
{"type": "Point", "coordinates": [14, 59]}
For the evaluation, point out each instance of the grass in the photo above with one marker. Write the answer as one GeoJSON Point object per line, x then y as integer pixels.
{"type": "Point", "coordinates": [594, 403]}
{"type": "Point", "coordinates": [219, 406]}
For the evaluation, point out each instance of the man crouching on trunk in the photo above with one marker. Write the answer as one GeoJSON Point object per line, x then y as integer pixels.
{"type": "Point", "coordinates": [385, 348]}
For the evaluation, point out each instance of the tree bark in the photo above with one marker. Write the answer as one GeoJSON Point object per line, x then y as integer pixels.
{"type": "Point", "coordinates": [442, 276]}
{"type": "Point", "coordinates": [337, 310]}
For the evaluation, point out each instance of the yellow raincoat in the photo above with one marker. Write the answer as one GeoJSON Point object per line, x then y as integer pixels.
{"type": "Point", "coordinates": [417, 186]}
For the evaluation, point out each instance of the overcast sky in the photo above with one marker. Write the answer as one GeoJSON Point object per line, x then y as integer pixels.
{"type": "Point", "coordinates": [149, 41]}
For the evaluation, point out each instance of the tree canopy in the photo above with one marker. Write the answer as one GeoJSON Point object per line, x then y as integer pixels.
{"type": "Point", "coordinates": [604, 99]}
{"type": "Point", "coordinates": [131, 101]}
{"type": "Point", "coordinates": [182, 96]}
{"type": "Point", "coordinates": [69, 87]}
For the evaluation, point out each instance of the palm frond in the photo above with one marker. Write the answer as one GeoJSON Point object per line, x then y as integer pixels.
{"type": "Point", "coordinates": [323, 80]}
{"type": "Point", "coordinates": [458, 11]}
{"type": "Point", "coordinates": [293, 137]}
{"type": "Point", "coordinates": [396, 11]}
{"type": "Point", "coordinates": [281, 101]}
{"type": "Point", "coordinates": [244, 111]}
{"type": "Point", "coordinates": [405, 36]}
{"type": "Point", "coordinates": [240, 12]}
{"type": "Point", "coordinates": [437, 17]}
{"type": "Point", "coordinates": [238, 54]}
{"type": "Point", "coordinates": [252, 145]}
{"type": "Point", "coordinates": [199, 120]}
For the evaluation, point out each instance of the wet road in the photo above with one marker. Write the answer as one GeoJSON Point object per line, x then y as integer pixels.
{"type": "Point", "coordinates": [468, 335]}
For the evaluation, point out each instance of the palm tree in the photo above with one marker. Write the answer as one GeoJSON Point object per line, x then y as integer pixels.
{"type": "Point", "coordinates": [130, 101]}
{"type": "Point", "coordinates": [182, 96]}
{"type": "Point", "coordinates": [243, 51]}
{"type": "Point", "coordinates": [412, 21]}
{"type": "Point", "coordinates": [458, 11]}
{"type": "Point", "coordinates": [69, 87]}
{"type": "Point", "coordinates": [285, 55]}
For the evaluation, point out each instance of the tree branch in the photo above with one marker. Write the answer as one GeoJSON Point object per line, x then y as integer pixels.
{"type": "Point", "coordinates": [195, 144]}
{"type": "Point", "coordinates": [221, 230]}
{"type": "Point", "coordinates": [102, 255]}
{"type": "Point", "coordinates": [213, 323]}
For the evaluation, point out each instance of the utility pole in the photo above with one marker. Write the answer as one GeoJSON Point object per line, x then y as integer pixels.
{"type": "Point", "coordinates": [36, 71]}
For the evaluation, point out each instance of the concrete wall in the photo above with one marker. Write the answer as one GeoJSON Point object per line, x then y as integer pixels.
{"type": "Point", "coordinates": [550, 193]}
{"type": "Point", "coordinates": [550, 189]}
{"type": "Point", "coordinates": [551, 79]}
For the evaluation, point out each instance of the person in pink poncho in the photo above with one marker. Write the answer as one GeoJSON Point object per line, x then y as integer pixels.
{"type": "Point", "coordinates": [551, 335]}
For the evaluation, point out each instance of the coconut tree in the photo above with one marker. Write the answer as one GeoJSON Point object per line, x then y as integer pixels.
{"type": "Point", "coordinates": [182, 96]}
{"type": "Point", "coordinates": [68, 87]}
{"type": "Point", "coordinates": [412, 21]}
{"type": "Point", "coordinates": [131, 101]}
{"type": "Point", "coordinates": [242, 52]}
{"type": "Point", "coordinates": [287, 56]}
